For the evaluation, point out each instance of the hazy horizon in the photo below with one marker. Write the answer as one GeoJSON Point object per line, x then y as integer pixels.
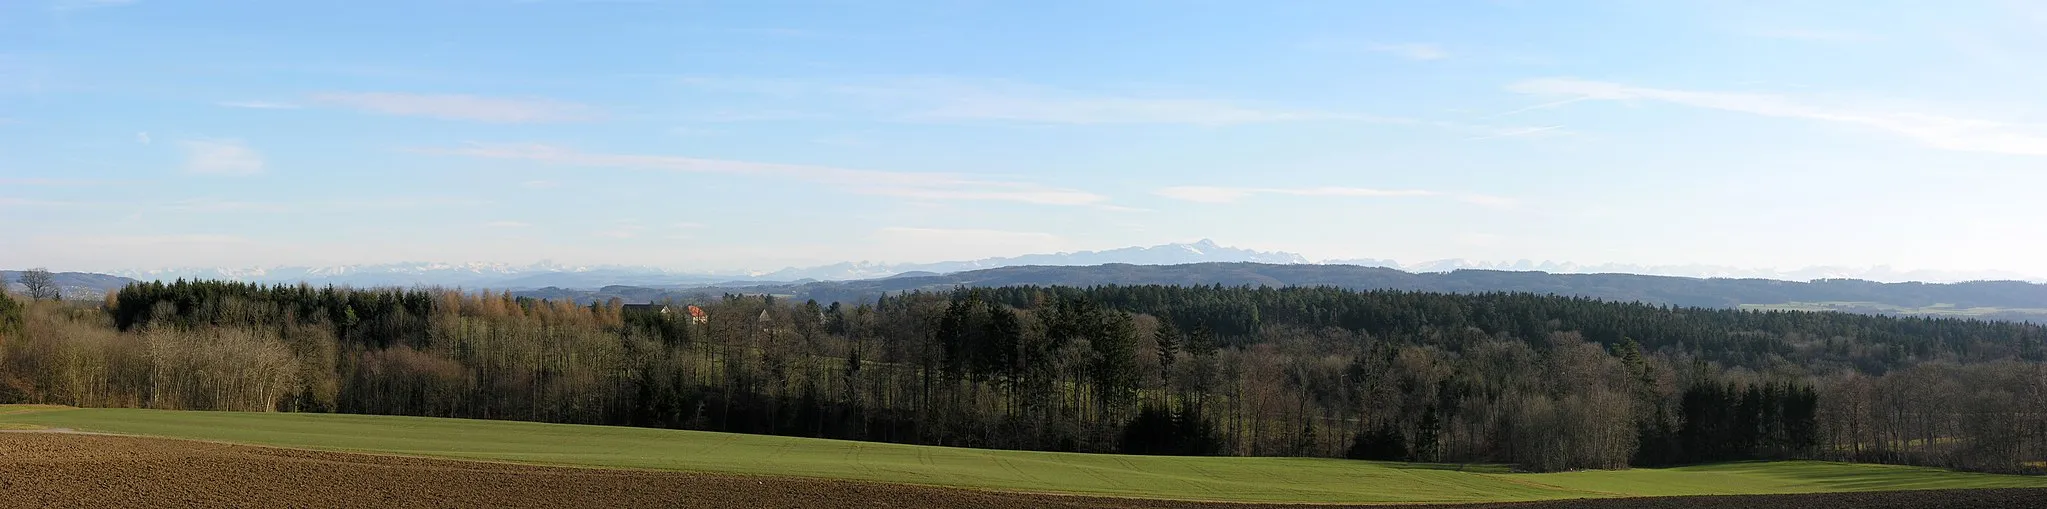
{"type": "Point", "coordinates": [865, 269]}
{"type": "Point", "coordinates": [139, 134]}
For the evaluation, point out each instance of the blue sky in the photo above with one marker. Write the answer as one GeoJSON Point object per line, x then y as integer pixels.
{"type": "Point", "coordinates": [754, 135]}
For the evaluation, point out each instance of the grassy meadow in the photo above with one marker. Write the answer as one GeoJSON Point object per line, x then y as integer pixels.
{"type": "Point", "coordinates": [1197, 478]}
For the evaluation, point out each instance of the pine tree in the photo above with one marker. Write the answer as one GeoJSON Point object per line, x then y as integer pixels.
{"type": "Point", "coordinates": [1167, 337]}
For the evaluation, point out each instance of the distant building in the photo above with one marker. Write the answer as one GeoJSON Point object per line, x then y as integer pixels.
{"type": "Point", "coordinates": [696, 315]}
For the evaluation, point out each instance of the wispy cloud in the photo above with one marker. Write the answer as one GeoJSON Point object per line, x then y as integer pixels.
{"type": "Point", "coordinates": [944, 99]}
{"type": "Point", "coordinates": [1488, 200]}
{"type": "Point", "coordinates": [461, 107]}
{"type": "Point", "coordinates": [406, 202]}
{"type": "Point", "coordinates": [259, 105]}
{"type": "Point", "coordinates": [506, 224]}
{"type": "Point", "coordinates": [1120, 208]}
{"type": "Point", "coordinates": [540, 184]}
{"type": "Point", "coordinates": [1542, 106]}
{"type": "Point", "coordinates": [1524, 131]}
{"type": "Point", "coordinates": [218, 205]}
{"type": "Point", "coordinates": [932, 186]}
{"type": "Point", "coordinates": [751, 116]}
{"type": "Point", "coordinates": [980, 105]}
{"type": "Point", "coordinates": [1410, 50]}
{"type": "Point", "coordinates": [221, 157]}
{"type": "Point", "coordinates": [1217, 194]}
{"type": "Point", "coordinates": [953, 99]}
{"type": "Point", "coordinates": [36, 202]}
{"type": "Point", "coordinates": [1933, 130]}
{"type": "Point", "coordinates": [1213, 194]}
{"type": "Point", "coordinates": [991, 191]}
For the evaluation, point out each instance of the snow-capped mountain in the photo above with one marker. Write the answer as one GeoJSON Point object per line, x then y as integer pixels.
{"type": "Point", "coordinates": [1878, 273]}
{"type": "Point", "coordinates": [545, 274]}
{"type": "Point", "coordinates": [1202, 251]}
{"type": "Point", "coordinates": [548, 274]}
{"type": "Point", "coordinates": [475, 274]}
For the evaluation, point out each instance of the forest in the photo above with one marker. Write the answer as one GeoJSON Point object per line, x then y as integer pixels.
{"type": "Point", "coordinates": [1542, 382]}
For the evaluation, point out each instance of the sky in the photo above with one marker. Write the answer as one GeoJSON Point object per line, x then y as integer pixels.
{"type": "Point", "coordinates": [761, 134]}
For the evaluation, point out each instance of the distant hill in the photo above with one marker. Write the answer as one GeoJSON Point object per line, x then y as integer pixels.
{"type": "Point", "coordinates": [2000, 300]}
{"type": "Point", "coordinates": [547, 274]}
{"type": "Point", "coordinates": [1878, 273]}
{"type": "Point", "coordinates": [1990, 299]}
{"type": "Point", "coordinates": [73, 285]}
{"type": "Point", "coordinates": [465, 275]}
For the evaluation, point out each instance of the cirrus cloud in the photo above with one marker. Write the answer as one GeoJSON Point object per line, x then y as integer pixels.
{"type": "Point", "coordinates": [1945, 132]}
{"type": "Point", "coordinates": [1219, 194]}
{"type": "Point", "coordinates": [226, 157]}
{"type": "Point", "coordinates": [1214, 194]}
{"type": "Point", "coordinates": [929, 186]}
{"type": "Point", "coordinates": [948, 99]}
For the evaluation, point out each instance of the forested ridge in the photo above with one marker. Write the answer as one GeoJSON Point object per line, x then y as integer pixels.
{"type": "Point", "coordinates": [1544, 382]}
{"type": "Point", "coordinates": [2005, 299]}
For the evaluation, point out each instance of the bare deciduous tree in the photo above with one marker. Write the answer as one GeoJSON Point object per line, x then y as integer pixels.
{"type": "Point", "coordinates": [39, 284]}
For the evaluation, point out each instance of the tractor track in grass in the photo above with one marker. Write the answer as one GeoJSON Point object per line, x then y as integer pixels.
{"type": "Point", "coordinates": [90, 470]}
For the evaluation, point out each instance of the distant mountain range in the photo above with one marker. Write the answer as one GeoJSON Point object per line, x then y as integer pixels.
{"type": "Point", "coordinates": [2001, 300]}
{"type": "Point", "coordinates": [1168, 254]}
{"type": "Point", "coordinates": [468, 275]}
{"type": "Point", "coordinates": [547, 274]}
{"type": "Point", "coordinates": [1878, 273]}
{"type": "Point", "coordinates": [857, 282]}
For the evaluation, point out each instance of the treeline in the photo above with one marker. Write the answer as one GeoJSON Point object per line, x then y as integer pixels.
{"type": "Point", "coordinates": [2016, 296]}
{"type": "Point", "coordinates": [1547, 383]}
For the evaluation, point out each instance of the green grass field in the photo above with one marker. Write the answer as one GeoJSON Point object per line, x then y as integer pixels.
{"type": "Point", "coordinates": [1222, 479]}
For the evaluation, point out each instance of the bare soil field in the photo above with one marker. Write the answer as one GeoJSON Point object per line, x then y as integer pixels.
{"type": "Point", "coordinates": [1927, 499]}
{"type": "Point", "coordinates": [73, 470]}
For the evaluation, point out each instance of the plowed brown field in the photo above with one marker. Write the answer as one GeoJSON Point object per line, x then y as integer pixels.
{"type": "Point", "coordinates": [70, 470]}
